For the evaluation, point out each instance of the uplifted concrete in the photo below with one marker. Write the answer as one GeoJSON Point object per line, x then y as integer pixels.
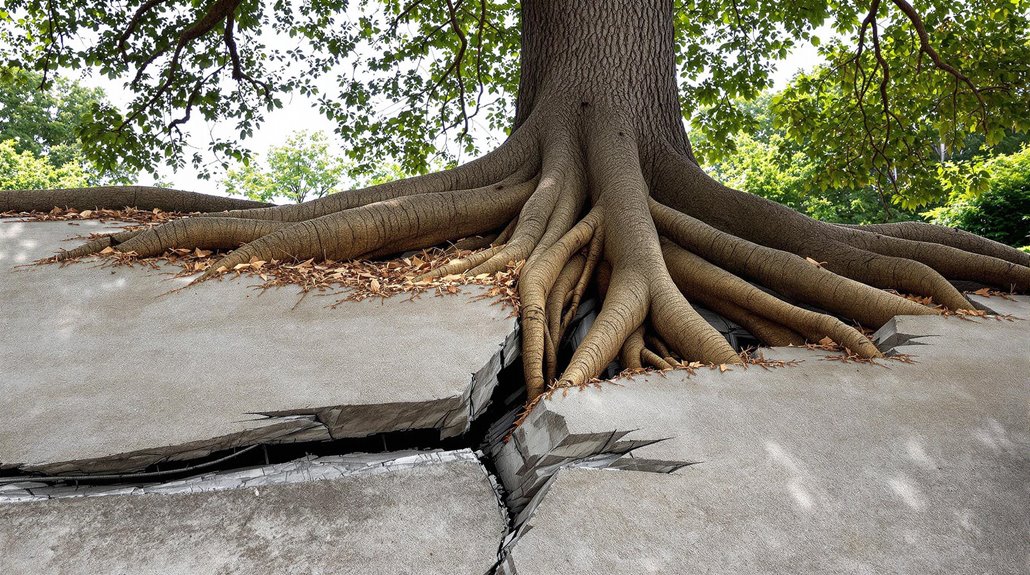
{"type": "Point", "coordinates": [431, 516]}
{"type": "Point", "coordinates": [823, 467]}
{"type": "Point", "coordinates": [102, 370]}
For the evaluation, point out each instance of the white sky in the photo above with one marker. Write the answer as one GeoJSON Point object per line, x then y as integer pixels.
{"type": "Point", "coordinates": [301, 113]}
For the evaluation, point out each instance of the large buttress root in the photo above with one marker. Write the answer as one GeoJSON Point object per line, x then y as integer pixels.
{"type": "Point", "coordinates": [117, 197]}
{"type": "Point", "coordinates": [591, 212]}
{"type": "Point", "coordinates": [711, 283]}
{"type": "Point", "coordinates": [390, 226]}
{"type": "Point", "coordinates": [945, 236]}
{"type": "Point", "coordinates": [783, 272]}
{"type": "Point", "coordinates": [916, 258]}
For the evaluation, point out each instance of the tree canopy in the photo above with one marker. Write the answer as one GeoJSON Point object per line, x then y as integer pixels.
{"type": "Point", "coordinates": [41, 131]}
{"type": "Point", "coordinates": [303, 168]}
{"type": "Point", "coordinates": [901, 86]}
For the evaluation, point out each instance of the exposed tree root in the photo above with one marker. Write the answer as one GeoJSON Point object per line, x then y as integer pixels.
{"type": "Point", "coordinates": [698, 276]}
{"type": "Point", "coordinates": [588, 211]}
{"type": "Point", "coordinates": [945, 236]}
{"type": "Point", "coordinates": [116, 197]}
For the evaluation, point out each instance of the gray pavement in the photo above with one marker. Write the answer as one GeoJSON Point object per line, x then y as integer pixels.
{"type": "Point", "coordinates": [438, 517]}
{"type": "Point", "coordinates": [101, 370]}
{"type": "Point", "coordinates": [823, 467]}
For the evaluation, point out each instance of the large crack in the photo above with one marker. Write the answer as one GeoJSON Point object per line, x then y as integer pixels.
{"type": "Point", "coordinates": [448, 417]}
{"type": "Point", "coordinates": [301, 446]}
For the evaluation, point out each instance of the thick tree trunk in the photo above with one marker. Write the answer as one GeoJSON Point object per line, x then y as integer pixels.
{"type": "Point", "coordinates": [616, 56]}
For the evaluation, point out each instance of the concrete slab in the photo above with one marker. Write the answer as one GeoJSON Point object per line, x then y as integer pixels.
{"type": "Point", "coordinates": [823, 467]}
{"type": "Point", "coordinates": [431, 516]}
{"type": "Point", "coordinates": [100, 371]}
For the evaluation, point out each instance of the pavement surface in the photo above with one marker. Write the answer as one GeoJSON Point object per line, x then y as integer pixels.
{"type": "Point", "coordinates": [435, 518]}
{"type": "Point", "coordinates": [824, 467]}
{"type": "Point", "coordinates": [101, 369]}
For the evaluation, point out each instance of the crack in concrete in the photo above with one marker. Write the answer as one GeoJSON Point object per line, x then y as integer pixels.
{"type": "Point", "coordinates": [541, 447]}
{"type": "Point", "coordinates": [452, 416]}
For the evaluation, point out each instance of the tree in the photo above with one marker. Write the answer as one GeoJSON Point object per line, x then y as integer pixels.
{"type": "Point", "coordinates": [46, 123]}
{"type": "Point", "coordinates": [598, 186]}
{"type": "Point", "coordinates": [769, 163]}
{"type": "Point", "coordinates": [300, 169]}
{"type": "Point", "coordinates": [24, 170]}
{"type": "Point", "coordinates": [994, 203]}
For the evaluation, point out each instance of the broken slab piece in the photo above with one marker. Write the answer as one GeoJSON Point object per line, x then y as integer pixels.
{"type": "Point", "coordinates": [824, 467]}
{"type": "Point", "coordinates": [414, 513]}
{"type": "Point", "coordinates": [102, 370]}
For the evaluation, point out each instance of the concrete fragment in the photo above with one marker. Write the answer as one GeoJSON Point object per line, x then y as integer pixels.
{"type": "Point", "coordinates": [824, 467]}
{"type": "Point", "coordinates": [436, 516]}
{"type": "Point", "coordinates": [101, 369]}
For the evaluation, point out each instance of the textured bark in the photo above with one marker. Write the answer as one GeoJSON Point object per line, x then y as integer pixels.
{"type": "Point", "coordinates": [597, 192]}
{"type": "Point", "coordinates": [117, 197]}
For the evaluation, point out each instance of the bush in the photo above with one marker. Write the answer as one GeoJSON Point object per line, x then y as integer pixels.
{"type": "Point", "coordinates": [1001, 211]}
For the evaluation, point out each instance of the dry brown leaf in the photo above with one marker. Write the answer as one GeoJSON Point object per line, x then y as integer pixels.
{"type": "Point", "coordinates": [815, 263]}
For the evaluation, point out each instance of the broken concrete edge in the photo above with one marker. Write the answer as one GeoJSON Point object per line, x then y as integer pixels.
{"type": "Point", "coordinates": [316, 424]}
{"type": "Point", "coordinates": [888, 338]}
{"type": "Point", "coordinates": [304, 469]}
{"type": "Point", "coordinates": [536, 452]}
{"type": "Point", "coordinates": [541, 447]}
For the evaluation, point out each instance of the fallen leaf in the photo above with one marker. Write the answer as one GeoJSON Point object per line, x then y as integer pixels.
{"type": "Point", "coordinates": [815, 263]}
{"type": "Point", "coordinates": [374, 285]}
{"type": "Point", "coordinates": [107, 250]}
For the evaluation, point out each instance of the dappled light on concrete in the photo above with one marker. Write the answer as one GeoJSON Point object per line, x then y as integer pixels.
{"type": "Point", "coordinates": [825, 467]}
{"type": "Point", "coordinates": [105, 369]}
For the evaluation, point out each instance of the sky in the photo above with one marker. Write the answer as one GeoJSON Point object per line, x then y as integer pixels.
{"type": "Point", "coordinates": [301, 113]}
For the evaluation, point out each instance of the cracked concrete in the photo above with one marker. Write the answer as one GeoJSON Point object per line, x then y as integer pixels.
{"type": "Point", "coordinates": [413, 512]}
{"type": "Point", "coordinates": [101, 371]}
{"type": "Point", "coordinates": [823, 467]}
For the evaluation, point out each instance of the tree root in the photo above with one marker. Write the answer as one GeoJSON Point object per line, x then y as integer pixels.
{"type": "Point", "coordinates": [945, 236]}
{"type": "Point", "coordinates": [698, 276]}
{"type": "Point", "coordinates": [117, 197]}
{"type": "Point", "coordinates": [584, 210]}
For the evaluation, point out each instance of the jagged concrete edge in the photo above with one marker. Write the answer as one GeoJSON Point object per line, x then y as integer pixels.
{"type": "Point", "coordinates": [888, 338]}
{"type": "Point", "coordinates": [302, 470]}
{"type": "Point", "coordinates": [541, 447]}
{"type": "Point", "coordinates": [317, 424]}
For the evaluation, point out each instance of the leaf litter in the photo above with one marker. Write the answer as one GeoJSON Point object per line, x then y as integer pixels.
{"type": "Point", "coordinates": [353, 280]}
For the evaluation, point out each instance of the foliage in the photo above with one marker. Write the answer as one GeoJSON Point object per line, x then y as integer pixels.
{"type": "Point", "coordinates": [46, 123]}
{"type": "Point", "coordinates": [994, 201]}
{"type": "Point", "coordinates": [303, 168]}
{"type": "Point", "coordinates": [888, 111]}
{"type": "Point", "coordinates": [407, 71]}
{"type": "Point", "coordinates": [26, 171]}
{"type": "Point", "coordinates": [768, 164]}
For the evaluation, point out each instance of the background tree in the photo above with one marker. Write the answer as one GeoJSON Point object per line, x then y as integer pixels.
{"type": "Point", "coordinates": [978, 188]}
{"type": "Point", "coordinates": [992, 200]}
{"type": "Point", "coordinates": [302, 168]}
{"type": "Point", "coordinates": [26, 171]}
{"type": "Point", "coordinates": [598, 186]}
{"type": "Point", "coordinates": [46, 124]}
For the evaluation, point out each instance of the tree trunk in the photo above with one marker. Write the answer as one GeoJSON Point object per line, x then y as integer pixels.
{"type": "Point", "coordinates": [607, 54]}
